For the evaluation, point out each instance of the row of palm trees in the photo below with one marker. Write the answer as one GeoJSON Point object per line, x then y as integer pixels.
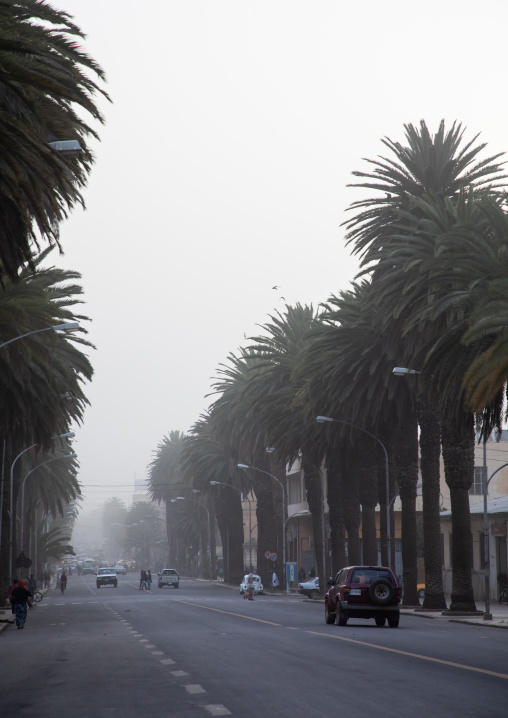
{"type": "Point", "coordinates": [431, 229]}
{"type": "Point", "coordinates": [46, 80]}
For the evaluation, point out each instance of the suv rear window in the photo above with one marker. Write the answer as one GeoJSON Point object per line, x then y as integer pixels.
{"type": "Point", "coordinates": [367, 576]}
{"type": "Point", "coordinates": [169, 572]}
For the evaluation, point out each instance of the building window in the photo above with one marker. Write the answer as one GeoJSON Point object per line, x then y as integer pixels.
{"type": "Point", "coordinates": [295, 488]}
{"type": "Point", "coordinates": [478, 481]}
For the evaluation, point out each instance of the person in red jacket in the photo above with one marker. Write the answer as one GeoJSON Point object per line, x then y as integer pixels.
{"type": "Point", "coordinates": [20, 598]}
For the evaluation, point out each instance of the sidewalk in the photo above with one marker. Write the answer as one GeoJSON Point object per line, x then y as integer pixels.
{"type": "Point", "coordinates": [499, 612]}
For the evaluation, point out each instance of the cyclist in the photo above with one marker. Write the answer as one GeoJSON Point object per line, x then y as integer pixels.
{"type": "Point", "coordinates": [63, 582]}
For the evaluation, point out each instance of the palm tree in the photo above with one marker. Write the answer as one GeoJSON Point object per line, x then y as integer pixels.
{"type": "Point", "coordinates": [44, 78]}
{"type": "Point", "coordinates": [38, 371]}
{"type": "Point", "coordinates": [440, 166]}
{"type": "Point", "coordinates": [165, 475]}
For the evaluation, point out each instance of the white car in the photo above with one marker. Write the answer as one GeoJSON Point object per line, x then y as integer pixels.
{"type": "Point", "coordinates": [310, 588]}
{"type": "Point", "coordinates": [120, 569]}
{"type": "Point", "coordinates": [258, 586]}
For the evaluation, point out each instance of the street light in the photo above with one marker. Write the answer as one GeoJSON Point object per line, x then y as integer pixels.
{"type": "Point", "coordinates": [69, 435]}
{"type": "Point", "coordinates": [246, 466]}
{"type": "Point", "coordinates": [242, 493]}
{"type": "Point", "coordinates": [322, 420]}
{"type": "Point", "coordinates": [56, 458]}
{"type": "Point", "coordinates": [68, 327]}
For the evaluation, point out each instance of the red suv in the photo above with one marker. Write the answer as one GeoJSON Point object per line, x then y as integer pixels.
{"type": "Point", "coordinates": [363, 592]}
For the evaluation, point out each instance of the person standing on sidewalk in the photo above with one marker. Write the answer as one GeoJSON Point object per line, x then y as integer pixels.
{"type": "Point", "coordinates": [21, 602]}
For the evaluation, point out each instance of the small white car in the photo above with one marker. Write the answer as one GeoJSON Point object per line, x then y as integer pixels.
{"type": "Point", "coordinates": [258, 586]}
{"type": "Point", "coordinates": [310, 588]}
{"type": "Point", "coordinates": [120, 569]}
{"type": "Point", "coordinates": [168, 577]}
{"type": "Point", "coordinates": [105, 576]}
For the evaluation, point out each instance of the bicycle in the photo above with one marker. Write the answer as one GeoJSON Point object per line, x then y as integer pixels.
{"type": "Point", "coordinates": [37, 596]}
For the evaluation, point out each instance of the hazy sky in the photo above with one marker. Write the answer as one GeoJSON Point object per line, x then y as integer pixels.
{"type": "Point", "coordinates": [222, 172]}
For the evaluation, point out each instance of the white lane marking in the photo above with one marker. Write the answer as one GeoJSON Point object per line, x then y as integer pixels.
{"type": "Point", "coordinates": [194, 688]}
{"type": "Point", "coordinates": [149, 645]}
{"type": "Point", "coordinates": [167, 662]}
{"type": "Point", "coordinates": [77, 603]}
{"type": "Point", "coordinates": [143, 640]}
{"type": "Point", "coordinates": [217, 709]}
{"type": "Point", "coordinates": [179, 674]}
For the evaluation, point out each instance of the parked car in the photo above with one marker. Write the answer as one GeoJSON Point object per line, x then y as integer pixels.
{"type": "Point", "coordinates": [106, 575]}
{"type": "Point", "coordinates": [168, 577]}
{"type": "Point", "coordinates": [310, 588]}
{"type": "Point", "coordinates": [258, 586]}
{"type": "Point", "coordinates": [363, 592]}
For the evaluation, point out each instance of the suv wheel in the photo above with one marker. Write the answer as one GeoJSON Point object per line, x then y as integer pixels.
{"type": "Point", "coordinates": [393, 619]}
{"type": "Point", "coordinates": [380, 621]}
{"type": "Point", "coordinates": [98, 585]}
{"type": "Point", "coordinates": [329, 615]}
{"type": "Point", "coordinates": [175, 585]}
{"type": "Point", "coordinates": [159, 585]}
{"type": "Point", "coordinates": [381, 592]}
{"type": "Point", "coordinates": [342, 618]}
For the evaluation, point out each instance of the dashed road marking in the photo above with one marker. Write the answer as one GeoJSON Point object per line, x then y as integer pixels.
{"type": "Point", "coordinates": [192, 688]}
{"type": "Point", "coordinates": [217, 709]}
{"type": "Point", "coordinates": [230, 613]}
{"type": "Point", "coordinates": [157, 653]}
{"type": "Point", "coordinates": [167, 662]}
{"type": "Point", "coordinates": [179, 674]}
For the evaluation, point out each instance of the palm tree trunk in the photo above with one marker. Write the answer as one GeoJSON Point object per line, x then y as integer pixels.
{"type": "Point", "coordinates": [368, 500]}
{"type": "Point", "coordinates": [267, 529]}
{"type": "Point", "coordinates": [430, 449]}
{"type": "Point", "coordinates": [351, 508]}
{"type": "Point", "coordinates": [405, 451]}
{"type": "Point", "coordinates": [313, 489]}
{"type": "Point", "coordinates": [457, 440]}
{"type": "Point", "coordinates": [337, 538]}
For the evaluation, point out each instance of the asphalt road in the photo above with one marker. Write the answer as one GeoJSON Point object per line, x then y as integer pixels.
{"type": "Point", "coordinates": [202, 650]}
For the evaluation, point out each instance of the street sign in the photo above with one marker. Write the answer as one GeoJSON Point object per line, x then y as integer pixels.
{"type": "Point", "coordinates": [267, 554]}
{"type": "Point", "coordinates": [273, 557]}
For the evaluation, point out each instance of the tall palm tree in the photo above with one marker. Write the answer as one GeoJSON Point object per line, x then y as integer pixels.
{"type": "Point", "coordinates": [440, 165]}
{"type": "Point", "coordinates": [45, 79]}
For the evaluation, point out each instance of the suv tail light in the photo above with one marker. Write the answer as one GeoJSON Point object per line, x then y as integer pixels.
{"type": "Point", "coordinates": [397, 594]}
{"type": "Point", "coordinates": [346, 592]}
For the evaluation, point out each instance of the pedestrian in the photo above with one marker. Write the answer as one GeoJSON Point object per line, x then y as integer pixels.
{"type": "Point", "coordinates": [47, 579]}
{"type": "Point", "coordinates": [301, 574]}
{"type": "Point", "coordinates": [10, 589]}
{"type": "Point", "coordinates": [63, 582]}
{"type": "Point", "coordinates": [249, 593]}
{"type": "Point", "coordinates": [275, 581]}
{"type": "Point", "coordinates": [21, 603]}
{"type": "Point", "coordinates": [142, 580]}
{"type": "Point", "coordinates": [149, 580]}
{"type": "Point", "coordinates": [31, 584]}
{"type": "Point", "coordinates": [312, 573]}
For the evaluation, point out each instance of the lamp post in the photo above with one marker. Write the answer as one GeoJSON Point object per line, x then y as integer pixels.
{"type": "Point", "coordinates": [487, 616]}
{"type": "Point", "coordinates": [56, 458]}
{"type": "Point", "coordinates": [183, 498]}
{"type": "Point", "coordinates": [246, 466]}
{"type": "Point", "coordinates": [242, 493]}
{"type": "Point", "coordinates": [68, 327]}
{"type": "Point", "coordinates": [69, 435]}
{"type": "Point", "coordinates": [322, 420]}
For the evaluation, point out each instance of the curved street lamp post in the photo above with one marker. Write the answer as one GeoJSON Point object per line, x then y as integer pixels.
{"type": "Point", "coordinates": [68, 434]}
{"type": "Point", "coordinates": [244, 495]}
{"type": "Point", "coordinates": [324, 419]}
{"type": "Point", "coordinates": [246, 466]}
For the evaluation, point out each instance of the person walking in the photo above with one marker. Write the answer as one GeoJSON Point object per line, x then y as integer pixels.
{"type": "Point", "coordinates": [301, 575]}
{"type": "Point", "coordinates": [21, 602]}
{"type": "Point", "coordinates": [149, 580]}
{"type": "Point", "coordinates": [63, 582]}
{"type": "Point", "coordinates": [142, 580]}
{"type": "Point", "coordinates": [10, 589]}
{"type": "Point", "coordinates": [31, 584]}
{"type": "Point", "coordinates": [249, 593]}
